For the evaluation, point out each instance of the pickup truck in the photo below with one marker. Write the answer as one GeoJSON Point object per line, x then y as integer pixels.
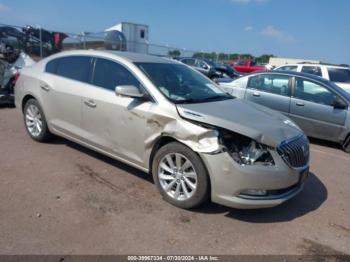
{"type": "Point", "coordinates": [246, 66]}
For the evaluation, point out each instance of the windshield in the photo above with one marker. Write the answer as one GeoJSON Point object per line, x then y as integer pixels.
{"type": "Point", "coordinates": [182, 85]}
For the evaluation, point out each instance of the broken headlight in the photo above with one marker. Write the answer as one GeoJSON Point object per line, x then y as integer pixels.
{"type": "Point", "coordinates": [244, 150]}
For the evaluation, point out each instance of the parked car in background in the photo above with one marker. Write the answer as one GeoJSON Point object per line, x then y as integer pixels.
{"type": "Point", "coordinates": [247, 66]}
{"type": "Point", "coordinates": [226, 71]}
{"type": "Point", "coordinates": [206, 67]}
{"type": "Point", "coordinates": [165, 118]}
{"type": "Point", "coordinates": [9, 73]}
{"type": "Point", "coordinates": [337, 74]}
{"type": "Point", "coordinates": [318, 106]}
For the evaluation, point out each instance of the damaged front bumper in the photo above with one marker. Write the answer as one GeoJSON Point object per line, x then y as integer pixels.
{"type": "Point", "coordinates": [229, 181]}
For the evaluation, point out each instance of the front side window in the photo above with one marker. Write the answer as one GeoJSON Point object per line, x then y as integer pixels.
{"type": "Point", "coordinates": [109, 75]}
{"type": "Point", "coordinates": [313, 92]}
{"type": "Point", "coordinates": [74, 67]}
{"type": "Point", "coordinates": [314, 70]}
{"type": "Point", "coordinates": [339, 75]}
{"type": "Point", "coordinates": [275, 84]}
{"type": "Point", "coordinates": [181, 84]}
{"type": "Point", "coordinates": [288, 68]}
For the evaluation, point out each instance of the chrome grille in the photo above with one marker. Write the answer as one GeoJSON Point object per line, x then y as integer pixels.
{"type": "Point", "coordinates": [295, 152]}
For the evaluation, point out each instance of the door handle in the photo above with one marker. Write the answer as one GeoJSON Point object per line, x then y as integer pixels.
{"type": "Point", "coordinates": [257, 94]}
{"type": "Point", "coordinates": [300, 104]}
{"type": "Point", "coordinates": [45, 87]}
{"type": "Point", "coordinates": [90, 103]}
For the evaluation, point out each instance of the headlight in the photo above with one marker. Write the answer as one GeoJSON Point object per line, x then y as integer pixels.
{"type": "Point", "coordinates": [246, 151]}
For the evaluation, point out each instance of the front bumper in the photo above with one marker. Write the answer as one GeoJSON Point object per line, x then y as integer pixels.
{"type": "Point", "coordinates": [228, 179]}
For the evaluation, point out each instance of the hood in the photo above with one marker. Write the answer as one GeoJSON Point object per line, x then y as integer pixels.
{"type": "Point", "coordinates": [252, 120]}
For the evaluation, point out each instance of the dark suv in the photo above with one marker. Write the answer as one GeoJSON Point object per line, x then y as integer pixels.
{"type": "Point", "coordinates": [206, 67]}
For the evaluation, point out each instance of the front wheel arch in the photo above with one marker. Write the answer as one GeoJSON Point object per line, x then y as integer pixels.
{"type": "Point", "coordinates": [205, 191]}
{"type": "Point", "coordinates": [346, 144]}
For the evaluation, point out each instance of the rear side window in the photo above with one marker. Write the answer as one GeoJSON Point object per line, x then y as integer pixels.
{"type": "Point", "coordinates": [275, 84]}
{"type": "Point", "coordinates": [288, 68]}
{"type": "Point", "coordinates": [339, 75]}
{"type": "Point", "coordinates": [314, 70]}
{"type": "Point", "coordinates": [51, 66]}
{"type": "Point", "coordinates": [74, 67]}
{"type": "Point", "coordinates": [109, 74]}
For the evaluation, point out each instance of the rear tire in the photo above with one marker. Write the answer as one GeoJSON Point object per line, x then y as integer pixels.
{"type": "Point", "coordinates": [180, 176]}
{"type": "Point", "coordinates": [35, 121]}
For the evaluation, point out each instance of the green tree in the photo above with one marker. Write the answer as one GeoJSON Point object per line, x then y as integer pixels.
{"type": "Point", "coordinates": [174, 53]}
{"type": "Point", "coordinates": [263, 59]}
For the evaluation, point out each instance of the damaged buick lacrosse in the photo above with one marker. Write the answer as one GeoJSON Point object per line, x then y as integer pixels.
{"type": "Point", "coordinates": [163, 117]}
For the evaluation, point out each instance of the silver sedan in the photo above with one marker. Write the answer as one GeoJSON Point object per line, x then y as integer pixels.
{"type": "Point", "coordinates": [163, 117]}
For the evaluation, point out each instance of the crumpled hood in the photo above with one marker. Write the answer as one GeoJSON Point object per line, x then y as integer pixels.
{"type": "Point", "coordinates": [246, 118]}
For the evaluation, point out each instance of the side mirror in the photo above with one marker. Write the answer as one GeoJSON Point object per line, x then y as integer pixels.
{"type": "Point", "coordinates": [339, 103]}
{"type": "Point", "coordinates": [129, 91]}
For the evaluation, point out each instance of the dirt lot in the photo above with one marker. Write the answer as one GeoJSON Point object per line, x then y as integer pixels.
{"type": "Point", "coordinates": [60, 198]}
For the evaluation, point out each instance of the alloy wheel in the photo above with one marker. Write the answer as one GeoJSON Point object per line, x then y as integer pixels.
{"type": "Point", "coordinates": [34, 121]}
{"type": "Point", "coordinates": [177, 176]}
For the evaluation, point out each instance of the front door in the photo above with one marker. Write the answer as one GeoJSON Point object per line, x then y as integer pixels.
{"type": "Point", "coordinates": [113, 123]}
{"type": "Point", "coordinates": [312, 109]}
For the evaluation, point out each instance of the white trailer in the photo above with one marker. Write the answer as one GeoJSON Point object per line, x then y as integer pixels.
{"type": "Point", "coordinates": [280, 61]}
{"type": "Point", "coordinates": [136, 36]}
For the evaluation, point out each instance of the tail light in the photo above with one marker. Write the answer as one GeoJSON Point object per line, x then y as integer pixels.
{"type": "Point", "coordinates": [16, 77]}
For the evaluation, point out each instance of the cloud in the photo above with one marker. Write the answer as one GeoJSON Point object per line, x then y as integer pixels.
{"type": "Point", "coordinates": [4, 8]}
{"type": "Point", "coordinates": [248, 28]}
{"type": "Point", "coordinates": [272, 32]}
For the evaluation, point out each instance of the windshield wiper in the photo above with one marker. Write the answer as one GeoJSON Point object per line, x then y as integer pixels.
{"type": "Point", "coordinates": [187, 101]}
{"type": "Point", "coordinates": [202, 100]}
{"type": "Point", "coordinates": [216, 98]}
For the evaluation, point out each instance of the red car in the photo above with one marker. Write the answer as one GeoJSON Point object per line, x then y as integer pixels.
{"type": "Point", "coordinates": [246, 66]}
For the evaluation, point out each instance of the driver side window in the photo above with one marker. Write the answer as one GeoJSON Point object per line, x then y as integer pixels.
{"type": "Point", "coordinates": [313, 92]}
{"type": "Point", "coordinates": [109, 74]}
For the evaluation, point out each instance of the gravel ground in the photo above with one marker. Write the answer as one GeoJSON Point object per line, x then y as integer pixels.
{"type": "Point", "coordinates": [60, 198]}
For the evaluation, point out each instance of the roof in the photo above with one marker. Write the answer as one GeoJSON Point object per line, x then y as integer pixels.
{"type": "Point", "coordinates": [129, 56]}
{"type": "Point", "coordinates": [316, 64]}
{"type": "Point", "coordinates": [140, 58]}
{"type": "Point", "coordinates": [315, 78]}
{"type": "Point", "coordinates": [300, 74]}
{"type": "Point", "coordinates": [118, 27]}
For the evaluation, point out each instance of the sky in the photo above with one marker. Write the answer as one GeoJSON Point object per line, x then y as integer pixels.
{"type": "Point", "coordinates": [306, 29]}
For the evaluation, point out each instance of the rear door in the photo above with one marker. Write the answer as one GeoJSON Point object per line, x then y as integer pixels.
{"type": "Point", "coordinates": [312, 109]}
{"type": "Point", "coordinates": [63, 83]}
{"type": "Point", "coordinates": [270, 90]}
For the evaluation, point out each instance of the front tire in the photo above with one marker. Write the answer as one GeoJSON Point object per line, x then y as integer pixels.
{"type": "Point", "coordinates": [346, 145]}
{"type": "Point", "coordinates": [35, 121]}
{"type": "Point", "coordinates": [180, 176]}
